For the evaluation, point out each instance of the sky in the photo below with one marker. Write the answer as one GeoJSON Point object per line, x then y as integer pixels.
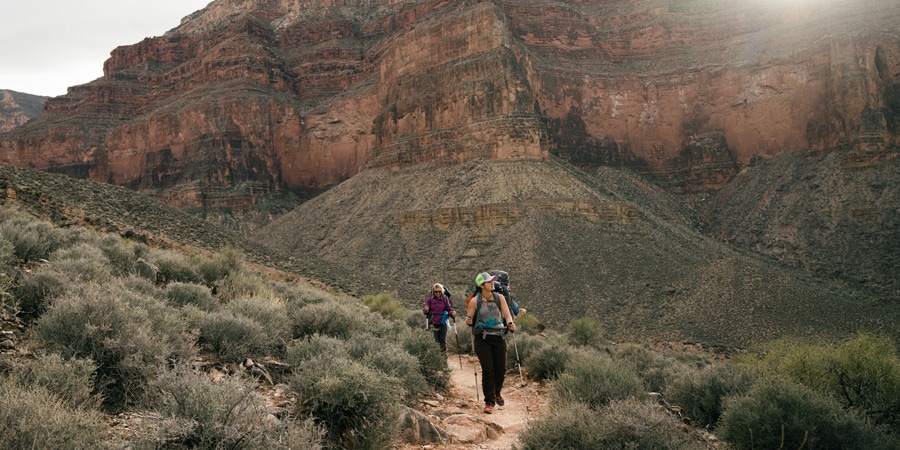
{"type": "Point", "coordinates": [48, 45]}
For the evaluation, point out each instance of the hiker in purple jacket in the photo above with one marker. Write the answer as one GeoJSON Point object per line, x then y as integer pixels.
{"type": "Point", "coordinates": [438, 309]}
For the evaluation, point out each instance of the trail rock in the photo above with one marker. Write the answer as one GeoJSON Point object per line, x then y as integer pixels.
{"type": "Point", "coordinates": [415, 428]}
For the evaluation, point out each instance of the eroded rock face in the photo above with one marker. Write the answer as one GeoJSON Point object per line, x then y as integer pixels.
{"type": "Point", "coordinates": [17, 108]}
{"type": "Point", "coordinates": [245, 98]}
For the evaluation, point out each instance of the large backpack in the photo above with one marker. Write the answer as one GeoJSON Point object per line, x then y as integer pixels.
{"type": "Point", "coordinates": [501, 285]}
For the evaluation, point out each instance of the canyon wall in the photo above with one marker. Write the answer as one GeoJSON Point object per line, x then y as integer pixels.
{"type": "Point", "coordinates": [246, 98]}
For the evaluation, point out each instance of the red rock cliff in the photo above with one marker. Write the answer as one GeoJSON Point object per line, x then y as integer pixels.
{"type": "Point", "coordinates": [247, 97]}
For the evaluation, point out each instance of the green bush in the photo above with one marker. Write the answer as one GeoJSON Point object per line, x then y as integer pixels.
{"type": "Point", "coordinates": [223, 414]}
{"type": "Point", "coordinates": [181, 294]}
{"type": "Point", "coordinates": [655, 369]}
{"type": "Point", "coordinates": [529, 323]}
{"type": "Point", "coordinates": [549, 361]}
{"type": "Point", "coordinates": [233, 337]}
{"type": "Point", "coordinates": [459, 339]}
{"type": "Point", "coordinates": [386, 305]}
{"type": "Point", "coordinates": [71, 381]}
{"type": "Point", "coordinates": [585, 332]}
{"type": "Point", "coordinates": [595, 380]}
{"type": "Point", "coordinates": [175, 267]}
{"type": "Point", "coordinates": [120, 254]}
{"type": "Point", "coordinates": [300, 351]}
{"type": "Point", "coordinates": [7, 252]}
{"type": "Point", "coordinates": [226, 263]}
{"type": "Point", "coordinates": [268, 311]}
{"type": "Point", "coordinates": [778, 413]}
{"type": "Point", "coordinates": [82, 262]}
{"type": "Point", "coordinates": [862, 372]}
{"type": "Point", "coordinates": [432, 361]}
{"type": "Point", "coordinates": [359, 407]}
{"type": "Point", "coordinates": [700, 392]}
{"type": "Point", "coordinates": [32, 417]}
{"type": "Point", "coordinates": [623, 424]}
{"type": "Point", "coordinates": [391, 359]}
{"type": "Point", "coordinates": [92, 322]}
{"type": "Point", "coordinates": [35, 290]}
{"type": "Point", "coordinates": [526, 345]}
{"type": "Point", "coordinates": [329, 318]}
{"type": "Point", "coordinates": [32, 239]}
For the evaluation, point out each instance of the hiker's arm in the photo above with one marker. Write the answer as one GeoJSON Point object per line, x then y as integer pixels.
{"type": "Point", "coordinates": [470, 311]}
{"type": "Point", "coordinates": [504, 309]}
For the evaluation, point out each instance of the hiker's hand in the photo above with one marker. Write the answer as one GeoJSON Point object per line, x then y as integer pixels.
{"type": "Point", "coordinates": [522, 311]}
{"type": "Point", "coordinates": [468, 320]}
{"type": "Point", "coordinates": [511, 326]}
{"type": "Point", "coordinates": [452, 313]}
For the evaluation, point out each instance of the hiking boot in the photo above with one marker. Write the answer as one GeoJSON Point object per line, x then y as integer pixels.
{"type": "Point", "coordinates": [500, 401]}
{"type": "Point", "coordinates": [488, 409]}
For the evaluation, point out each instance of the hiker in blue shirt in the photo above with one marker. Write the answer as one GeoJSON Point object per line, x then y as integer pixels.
{"type": "Point", "coordinates": [438, 309]}
{"type": "Point", "coordinates": [489, 316]}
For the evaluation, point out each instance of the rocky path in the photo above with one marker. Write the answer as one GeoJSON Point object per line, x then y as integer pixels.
{"type": "Point", "coordinates": [524, 403]}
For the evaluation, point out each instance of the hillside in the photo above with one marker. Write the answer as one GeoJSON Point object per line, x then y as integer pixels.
{"type": "Point", "coordinates": [17, 108]}
{"type": "Point", "coordinates": [605, 245]}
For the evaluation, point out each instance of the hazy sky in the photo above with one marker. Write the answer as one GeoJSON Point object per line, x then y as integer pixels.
{"type": "Point", "coordinates": [49, 45]}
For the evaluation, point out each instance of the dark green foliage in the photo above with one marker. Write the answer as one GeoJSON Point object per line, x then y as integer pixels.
{"type": "Point", "coordinates": [700, 392]}
{"type": "Point", "coordinates": [233, 337]}
{"type": "Point", "coordinates": [777, 413]}
{"type": "Point", "coordinates": [358, 406]}
{"type": "Point", "coordinates": [31, 417]}
{"type": "Point", "coordinates": [35, 290]}
{"type": "Point", "coordinates": [595, 380]}
{"type": "Point", "coordinates": [528, 323]}
{"type": "Point", "coordinates": [622, 424]}
{"type": "Point", "coordinates": [181, 294]}
{"type": "Point", "coordinates": [432, 361]}
{"type": "Point", "coordinates": [547, 362]}
{"type": "Point", "coordinates": [586, 332]}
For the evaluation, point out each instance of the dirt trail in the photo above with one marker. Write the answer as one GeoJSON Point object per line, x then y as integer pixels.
{"type": "Point", "coordinates": [513, 418]}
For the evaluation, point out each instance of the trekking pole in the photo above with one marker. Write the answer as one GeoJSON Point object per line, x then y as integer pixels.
{"type": "Point", "coordinates": [458, 348]}
{"type": "Point", "coordinates": [477, 398]}
{"type": "Point", "coordinates": [521, 377]}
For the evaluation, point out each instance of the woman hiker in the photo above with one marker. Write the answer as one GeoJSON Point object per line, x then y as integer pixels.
{"type": "Point", "coordinates": [487, 322]}
{"type": "Point", "coordinates": [436, 305]}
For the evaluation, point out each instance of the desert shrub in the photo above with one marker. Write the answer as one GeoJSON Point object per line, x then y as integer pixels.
{"type": "Point", "coordinates": [119, 254]}
{"type": "Point", "coordinates": [35, 290]}
{"type": "Point", "coordinates": [415, 319]}
{"type": "Point", "coordinates": [389, 358]}
{"type": "Point", "coordinates": [175, 267]}
{"type": "Point", "coordinates": [7, 252]}
{"type": "Point", "coordinates": [329, 318]}
{"type": "Point", "coordinates": [621, 424]}
{"type": "Point", "coordinates": [459, 339]}
{"type": "Point", "coordinates": [181, 294]}
{"type": "Point", "coordinates": [268, 311]}
{"type": "Point", "coordinates": [655, 369]}
{"type": "Point", "coordinates": [295, 435]}
{"type": "Point", "coordinates": [358, 406]}
{"type": "Point", "coordinates": [585, 332]}
{"type": "Point", "coordinates": [549, 361]}
{"type": "Point", "coordinates": [380, 326]}
{"type": "Point", "coordinates": [82, 262]}
{"type": "Point", "coordinates": [300, 351]}
{"type": "Point", "coordinates": [233, 337]}
{"type": "Point", "coordinates": [432, 361]}
{"type": "Point", "coordinates": [72, 381]}
{"type": "Point", "coordinates": [241, 284]}
{"type": "Point", "coordinates": [386, 305]}
{"type": "Point", "coordinates": [90, 322]}
{"type": "Point", "coordinates": [529, 323]}
{"type": "Point", "coordinates": [224, 264]}
{"type": "Point", "coordinates": [223, 414]}
{"type": "Point", "coordinates": [32, 417]}
{"type": "Point", "coordinates": [299, 295]}
{"type": "Point", "coordinates": [525, 344]}
{"type": "Point", "coordinates": [862, 372]}
{"type": "Point", "coordinates": [778, 413]}
{"type": "Point", "coordinates": [700, 392]}
{"type": "Point", "coordinates": [32, 239]}
{"type": "Point", "coordinates": [595, 380]}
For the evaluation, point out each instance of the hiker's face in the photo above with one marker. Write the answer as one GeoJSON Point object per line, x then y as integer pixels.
{"type": "Point", "coordinates": [488, 285]}
{"type": "Point", "coordinates": [437, 293]}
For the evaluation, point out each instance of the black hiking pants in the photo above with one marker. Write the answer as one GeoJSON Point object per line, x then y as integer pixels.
{"type": "Point", "coordinates": [491, 351]}
{"type": "Point", "coordinates": [440, 335]}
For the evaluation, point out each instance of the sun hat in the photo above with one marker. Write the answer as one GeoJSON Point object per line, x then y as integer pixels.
{"type": "Point", "coordinates": [484, 277]}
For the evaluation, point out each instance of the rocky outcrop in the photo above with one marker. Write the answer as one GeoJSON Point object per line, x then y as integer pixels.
{"type": "Point", "coordinates": [17, 108]}
{"type": "Point", "coordinates": [246, 98]}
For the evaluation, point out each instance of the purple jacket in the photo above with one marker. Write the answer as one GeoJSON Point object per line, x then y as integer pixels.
{"type": "Point", "coordinates": [436, 307]}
